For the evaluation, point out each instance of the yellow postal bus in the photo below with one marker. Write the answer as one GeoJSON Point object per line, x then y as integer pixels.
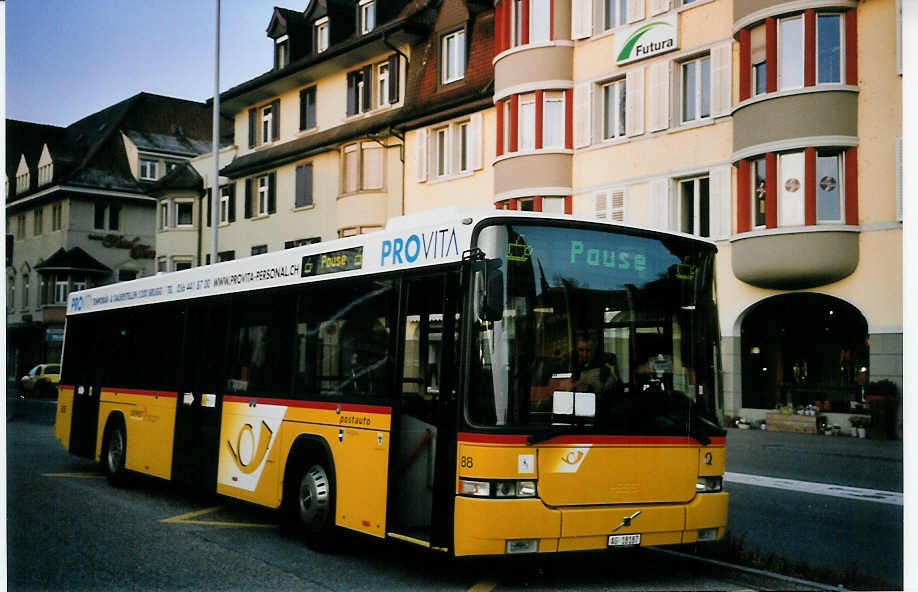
{"type": "Point", "coordinates": [475, 382]}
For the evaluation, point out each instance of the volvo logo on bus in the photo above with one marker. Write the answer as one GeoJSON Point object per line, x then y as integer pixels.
{"type": "Point", "coordinates": [435, 244]}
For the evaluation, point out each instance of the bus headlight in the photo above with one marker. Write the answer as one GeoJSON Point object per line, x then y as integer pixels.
{"type": "Point", "coordinates": [709, 484]}
{"type": "Point", "coordinates": [500, 488]}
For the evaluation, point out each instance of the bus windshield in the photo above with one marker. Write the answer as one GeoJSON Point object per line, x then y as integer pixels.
{"type": "Point", "coordinates": [601, 332]}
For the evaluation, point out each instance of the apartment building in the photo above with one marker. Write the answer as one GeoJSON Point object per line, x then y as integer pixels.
{"type": "Point", "coordinates": [320, 146]}
{"type": "Point", "coordinates": [772, 128]}
{"type": "Point", "coordinates": [78, 207]}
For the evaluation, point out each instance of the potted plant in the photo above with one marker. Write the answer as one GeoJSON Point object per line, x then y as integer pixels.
{"type": "Point", "coordinates": [859, 425]}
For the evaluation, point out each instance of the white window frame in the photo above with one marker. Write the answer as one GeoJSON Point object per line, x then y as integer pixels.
{"type": "Point", "coordinates": [785, 51]}
{"type": "Point", "coordinates": [262, 189]}
{"type": "Point", "coordinates": [177, 213]}
{"type": "Point", "coordinates": [148, 169]}
{"type": "Point", "coordinates": [619, 14]}
{"type": "Point", "coordinates": [224, 205]}
{"type": "Point", "coordinates": [695, 182]}
{"type": "Point", "coordinates": [553, 124]}
{"type": "Point", "coordinates": [516, 19]}
{"type": "Point", "coordinates": [699, 88]}
{"type": "Point", "coordinates": [367, 16]}
{"type": "Point", "coordinates": [441, 152]}
{"type": "Point", "coordinates": [526, 124]}
{"type": "Point", "coordinates": [619, 120]}
{"type": "Point", "coordinates": [453, 64]}
{"type": "Point", "coordinates": [282, 50]}
{"type": "Point", "coordinates": [321, 34]}
{"type": "Point", "coordinates": [382, 84]}
{"type": "Point", "coordinates": [540, 21]}
{"type": "Point", "coordinates": [77, 286]}
{"type": "Point", "coordinates": [61, 288]}
{"type": "Point", "coordinates": [841, 47]}
{"type": "Point", "coordinates": [164, 215]}
{"type": "Point", "coordinates": [463, 147]}
{"type": "Point", "coordinates": [267, 122]}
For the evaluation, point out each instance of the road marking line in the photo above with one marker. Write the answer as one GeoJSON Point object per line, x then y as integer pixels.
{"type": "Point", "coordinates": [75, 475]}
{"type": "Point", "coordinates": [857, 493]}
{"type": "Point", "coordinates": [187, 519]}
{"type": "Point", "coordinates": [483, 587]}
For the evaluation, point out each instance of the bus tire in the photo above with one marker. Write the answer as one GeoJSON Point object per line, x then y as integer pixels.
{"type": "Point", "coordinates": [309, 504]}
{"type": "Point", "coordinates": [114, 450]}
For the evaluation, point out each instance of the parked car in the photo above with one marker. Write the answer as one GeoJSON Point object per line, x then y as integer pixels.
{"type": "Point", "coordinates": [42, 380]}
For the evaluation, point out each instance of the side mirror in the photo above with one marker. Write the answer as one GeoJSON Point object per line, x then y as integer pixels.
{"type": "Point", "coordinates": [489, 290]}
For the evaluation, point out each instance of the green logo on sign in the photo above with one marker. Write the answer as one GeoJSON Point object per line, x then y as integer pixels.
{"type": "Point", "coordinates": [643, 49]}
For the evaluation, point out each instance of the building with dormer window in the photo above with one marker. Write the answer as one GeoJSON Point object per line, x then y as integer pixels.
{"type": "Point", "coordinates": [80, 210]}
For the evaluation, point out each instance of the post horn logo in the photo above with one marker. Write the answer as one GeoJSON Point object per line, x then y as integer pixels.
{"type": "Point", "coordinates": [247, 455]}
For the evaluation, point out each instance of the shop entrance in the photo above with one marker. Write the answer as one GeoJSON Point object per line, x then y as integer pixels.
{"type": "Point", "coordinates": [801, 349]}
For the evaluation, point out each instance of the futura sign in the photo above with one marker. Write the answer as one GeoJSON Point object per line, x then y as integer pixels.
{"type": "Point", "coordinates": [644, 40]}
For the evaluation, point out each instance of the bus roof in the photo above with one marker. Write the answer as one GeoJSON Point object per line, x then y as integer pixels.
{"type": "Point", "coordinates": [419, 240]}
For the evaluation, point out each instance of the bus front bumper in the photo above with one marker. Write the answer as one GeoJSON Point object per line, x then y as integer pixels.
{"type": "Point", "coordinates": [497, 527]}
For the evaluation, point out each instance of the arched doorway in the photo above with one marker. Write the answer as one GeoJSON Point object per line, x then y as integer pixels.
{"type": "Point", "coordinates": [800, 349]}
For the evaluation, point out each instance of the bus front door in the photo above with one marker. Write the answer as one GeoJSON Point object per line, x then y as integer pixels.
{"type": "Point", "coordinates": [197, 413]}
{"type": "Point", "coordinates": [420, 466]}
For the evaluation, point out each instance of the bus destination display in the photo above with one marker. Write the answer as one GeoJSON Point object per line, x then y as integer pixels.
{"type": "Point", "coordinates": [332, 262]}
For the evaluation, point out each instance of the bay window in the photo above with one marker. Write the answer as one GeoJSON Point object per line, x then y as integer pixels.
{"type": "Point", "coordinates": [526, 124]}
{"type": "Point", "coordinates": [758, 193]}
{"type": "Point", "coordinates": [539, 21]}
{"type": "Point", "coordinates": [553, 120]}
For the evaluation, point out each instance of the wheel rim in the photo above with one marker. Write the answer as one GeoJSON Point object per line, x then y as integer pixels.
{"type": "Point", "coordinates": [313, 497]}
{"type": "Point", "coordinates": [115, 453]}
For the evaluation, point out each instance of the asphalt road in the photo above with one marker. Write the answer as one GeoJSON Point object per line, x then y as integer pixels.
{"type": "Point", "coordinates": [69, 530]}
{"type": "Point", "coordinates": [821, 530]}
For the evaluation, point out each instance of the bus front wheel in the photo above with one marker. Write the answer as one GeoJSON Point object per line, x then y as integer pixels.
{"type": "Point", "coordinates": [310, 506]}
{"type": "Point", "coordinates": [114, 449]}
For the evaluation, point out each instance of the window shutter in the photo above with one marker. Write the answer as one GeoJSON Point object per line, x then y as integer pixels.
{"type": "Point", "coordinates": [252, 127]}
{"type": "Point", "coordinates": [275, 119]}
{"type": "Point", "coordinates": [617, 205]}
{"type": "Point", "coordinates": [209, 198]}
{"type": "Point", "coordinates": [658, 6]}
{"type": "Point", "coordinates": [659, 204]}
{"type": "Point", "coordinates": [367, 74]}
{"type": "Point", "coordinates": [581, 19]}
{"type": "Point", "coordinates": [352, 93]}
{"type": "Point", "coordinates": [582, 123]}
{"type": "Point", "coordinates": [635, 10]}
{"type": "Point", "coordinates": [393, 78]}
{"type": "Point", "coordinates": [634, 99]}
{"type": "Point", "coordinates": [658, 101]}
{"type": "Point", "coordinates": [421, 155]}
{"type": "Point", "coordinates": [720, 202]}
{"type": "Point", "coordinates": [601, 205]}
{"type": "Point", "coordinates": [475, 141]}
{"type": "Point", "coordinates": [272, 198]}
{"type": "Point", "coordinates": [248, 198]}
{"type": "Point", "coordinates": [721, 66]}
{"type": "Point", "coordinates": [300, 186]}
{"type": "Point", "coordinates": [232, 202]}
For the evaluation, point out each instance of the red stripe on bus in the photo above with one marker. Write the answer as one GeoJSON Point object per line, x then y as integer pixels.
{"type": "Point", "coordinates": [584, 439]}
{"type": "Point", "coordinates": [323, 405]}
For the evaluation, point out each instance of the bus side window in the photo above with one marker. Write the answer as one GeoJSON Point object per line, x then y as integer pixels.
{"type": "Point", "coordinates": [260, 345]}
{"type": "Point", "coordinates": [343, 339]}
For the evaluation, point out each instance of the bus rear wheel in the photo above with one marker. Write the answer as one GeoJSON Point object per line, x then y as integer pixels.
{"type": "Point", "coordinates": [310, 501]}
{"type": "Point", "coordinates": [114, 449]}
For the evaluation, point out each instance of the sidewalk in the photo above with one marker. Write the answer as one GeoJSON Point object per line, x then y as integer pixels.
{"type": "Point", "coordinates": [841, 460]}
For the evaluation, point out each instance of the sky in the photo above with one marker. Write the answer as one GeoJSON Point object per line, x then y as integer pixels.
{"type": "Point", "coordinates": [66, 59]}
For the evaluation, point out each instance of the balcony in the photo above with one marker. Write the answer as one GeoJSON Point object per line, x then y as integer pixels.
{"type": "Point", "coordinates": [795, 258]}
{"type": "Point", "coordinates": [530, 67]}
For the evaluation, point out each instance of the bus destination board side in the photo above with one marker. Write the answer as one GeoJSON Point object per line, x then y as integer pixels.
{"type": "Point", "coordinates": [332, 262]}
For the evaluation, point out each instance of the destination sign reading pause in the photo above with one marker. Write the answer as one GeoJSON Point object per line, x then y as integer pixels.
{"type": "Point", "coordinates": [332, 262]}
